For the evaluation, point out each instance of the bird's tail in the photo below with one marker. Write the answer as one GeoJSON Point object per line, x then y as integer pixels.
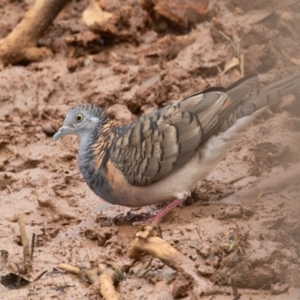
{"type": "Point", "coordinates": [256, 102]}
{"type": "Point", "coordinates": [270, 94]}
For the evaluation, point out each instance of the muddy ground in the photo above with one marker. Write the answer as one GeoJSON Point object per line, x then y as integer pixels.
{"type": "Point", "coordinates": [241, 223]}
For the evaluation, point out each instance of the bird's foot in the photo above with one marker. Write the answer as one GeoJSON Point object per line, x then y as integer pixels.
{"type": "Point", "coordinates": [158, 217]}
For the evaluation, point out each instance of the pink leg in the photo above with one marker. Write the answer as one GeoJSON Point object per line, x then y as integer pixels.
{"type": "Point", "coordinates": [156, 219]}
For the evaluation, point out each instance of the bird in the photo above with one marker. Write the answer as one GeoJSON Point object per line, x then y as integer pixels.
{"type": "Point", "coordinates": [161, 156]}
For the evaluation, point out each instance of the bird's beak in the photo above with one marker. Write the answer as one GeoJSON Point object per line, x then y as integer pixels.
{"type": "Point", "coordinates": [61, 132]}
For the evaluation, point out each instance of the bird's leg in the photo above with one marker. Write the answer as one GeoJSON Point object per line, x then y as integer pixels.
{"type": "Point", "coordinates": [158, 217]}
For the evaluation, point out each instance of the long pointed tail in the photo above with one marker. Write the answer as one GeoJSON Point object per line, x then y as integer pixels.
{"type": "Point", "coordinates": [255, 103]}
{"type": "Point", "coordinates": [270, 94]}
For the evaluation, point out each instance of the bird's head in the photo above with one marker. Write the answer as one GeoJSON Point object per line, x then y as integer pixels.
{"type": "Point", "coordinates": [82, 120]}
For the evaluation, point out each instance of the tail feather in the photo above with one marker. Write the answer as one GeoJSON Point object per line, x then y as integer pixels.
{"type": "Point", "coordinates": [270, 94]}
{"type": "Point", "coordinates": [256, 102]}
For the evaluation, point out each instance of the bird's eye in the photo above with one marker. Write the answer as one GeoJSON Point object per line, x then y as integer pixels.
{"type": "Point", "coordinates": [79, 117]}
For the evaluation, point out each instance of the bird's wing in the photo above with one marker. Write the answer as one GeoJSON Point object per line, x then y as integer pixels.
{"type": "Point", "coordinates": [160, 143]}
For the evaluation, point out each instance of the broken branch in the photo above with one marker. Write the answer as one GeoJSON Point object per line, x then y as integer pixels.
{"type": "Point", "coordinates": [21, 44]}
{"type": "Point", "coordinates": [25, 244]}
{"type": "Point", "coordinates": [102, 278]}
{"type": "Point", "coordinates": [144, 241]}
{"type": "Point", "coordinates": [107, 287]}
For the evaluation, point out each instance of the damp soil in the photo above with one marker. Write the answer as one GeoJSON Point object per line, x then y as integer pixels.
{"type": "Point", "coordinates": [242, 222]}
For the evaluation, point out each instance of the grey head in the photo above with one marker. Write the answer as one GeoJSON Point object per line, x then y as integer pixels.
{"type": "Point", "coordinates": [82, 120]}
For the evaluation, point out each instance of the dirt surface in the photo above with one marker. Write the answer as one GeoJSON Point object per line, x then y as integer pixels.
{"type": "Point", "coordinates": [241, 224]}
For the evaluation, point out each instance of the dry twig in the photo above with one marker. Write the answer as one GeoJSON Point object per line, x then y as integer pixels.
{"type": "Point", "coordinates": [145, 241]}
{"type": "Point", "coordinates": [21, 44]}
{"type": "Point", "coordinates": [103, 278]}
{"type": "Point", "coordinates": [25, 244]}
{"type": "Point", "coordinates": [236, 294]}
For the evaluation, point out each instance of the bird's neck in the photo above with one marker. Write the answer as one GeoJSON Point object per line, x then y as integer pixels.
{"type": "Point", "coordinates": [93, 158]}
{"type": "Point", "coordinates": [94, 147]}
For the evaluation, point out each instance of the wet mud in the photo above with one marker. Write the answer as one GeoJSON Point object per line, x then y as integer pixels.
{"type": "Point", "coordinates": [240, 228]}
